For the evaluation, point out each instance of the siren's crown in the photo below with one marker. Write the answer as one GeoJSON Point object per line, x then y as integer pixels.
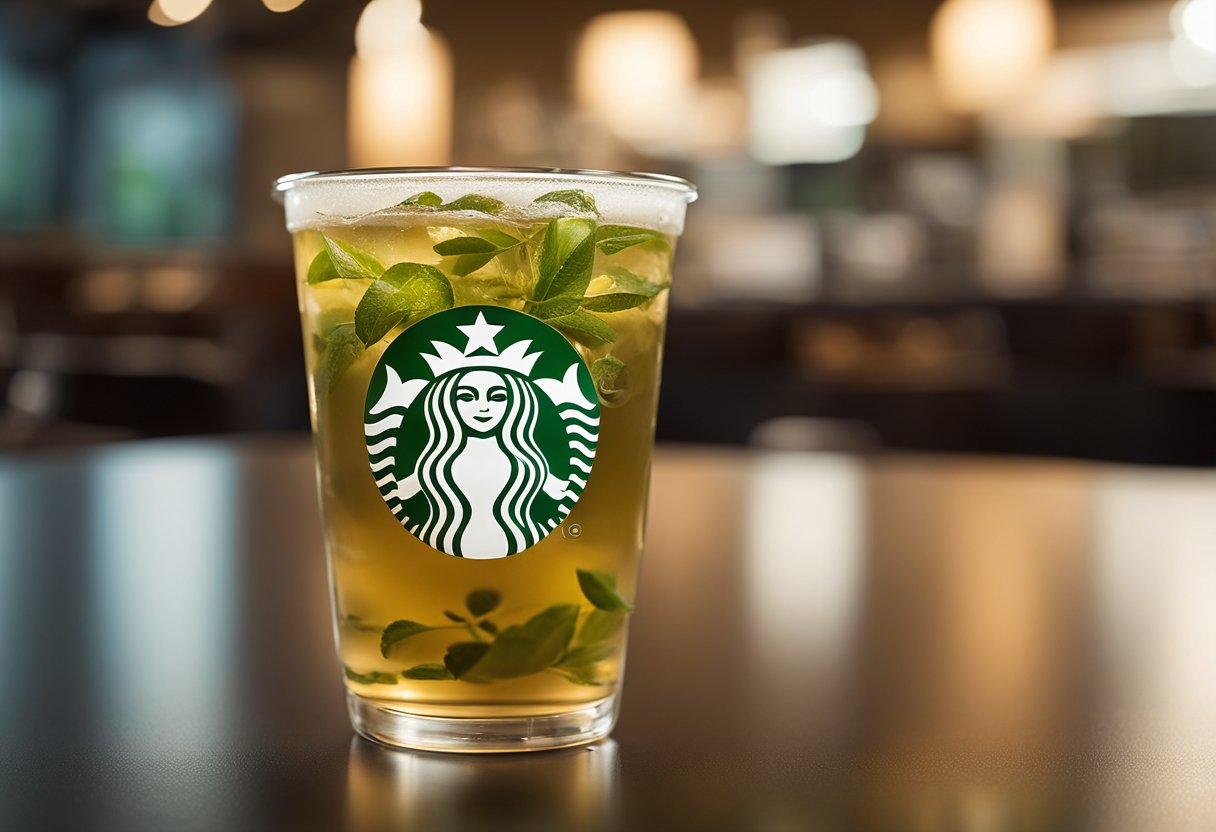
{"type": "Point", "coordinates": [481, 351]}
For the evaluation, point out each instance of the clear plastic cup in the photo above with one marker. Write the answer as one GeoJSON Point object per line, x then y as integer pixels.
{"type": "Point", "coordinates": [483, 351]}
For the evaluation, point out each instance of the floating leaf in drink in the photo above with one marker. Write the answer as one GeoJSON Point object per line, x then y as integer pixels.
{"type": "Point", "coordinates": [563, 266]}
{"type": "Point", "coordinates": [473, 202]}
{"type": "Point", "coordinates": [472, 253]}
{"type": "Point", "coordinates": [612, 239]}
{"type": "Point", "coordinates": [482, 602]}
{"type": "Point", "coordinates": [372, 677]}
{"type": "Point", "coordinates": [351, 262]}
{"type": "Point", "coordinates": [427, 672]}
{"type": "Point", "coordinates": [577, 199]}
{"type": "Point", "coordinates": [407, 290]}
{"type": "Point", "coordinates": [399, 631]}
{"type": "Point", "coordinates": [424, 199]}
{"type": "Point", "coordinates": [600, 589]}
{"type": "Point", "coordinates": [336, 351]}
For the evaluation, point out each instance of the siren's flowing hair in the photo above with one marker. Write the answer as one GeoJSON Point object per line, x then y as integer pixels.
{"type": "Point", "coordinates": [449, 510]}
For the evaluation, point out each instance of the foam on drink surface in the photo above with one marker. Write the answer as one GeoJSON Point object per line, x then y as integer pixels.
{"type": "Point", "coordinates": [373, 199]}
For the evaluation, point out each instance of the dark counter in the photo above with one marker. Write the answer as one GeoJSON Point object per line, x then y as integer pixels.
{"type": "Point", "coordinates": [823, 642]}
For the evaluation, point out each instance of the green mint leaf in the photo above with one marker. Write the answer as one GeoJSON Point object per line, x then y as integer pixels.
{"type": "Point", "coordinates": [501, 239]}
{"type": "Point", "coordinates": [452, 616]}
{"type": "Point", "coordinates": [614, 238]}
{"type": "Point", "coordinates": [583, 658]}
{"type": "Point", "coordinates": [474, 252]}
{"type": "Point", "coordinates": [405, 291]}
{"type": "Point", "coordinates": [600, 589]}
{"type": "Point", "coordinates": [473, 202]}
{"type": "Point", "coordinates": [399, 631]}
{"type": "Point", "coordinates": [427, 199]}
{"type": "Point", "coordinates": [357, 623]}
{"type": "Point", "coordinates": [614, 302]}
{"type": "Point", "coordinates": [601, 625]}
{"type": "Point", "coordinates": [336, 351]}
{"type": "Point", "coordinates": [464, 245]}
{"type": "Point", "coordinates": [589, 681]}
{"type": "Point", "coordinates": [352, 262]}
{"type": "Point", "coordinates": [482, 601]}
{"type": "Point", "coordinates": [428, 672]}
{"type": "Point", "coordinates": [466, 264]}
{"type": "Point", "coordinates": [374, 677]}
{"type": "Point", "coordinates": [584, 328]}
{"type": "Point", "coordinates": [567, 253]}
{"type": "Point", "coordinates": [581, 665]}
{"type": "Point", "coordinates": [522, 650]}
{"type": "Point", "coordinates": [321, 268]}
{"type": "Point", "coordinates": [489, 626]}
{"type": "Point", "coordinates": [624, 280]}
{"type": "Point", "coordinates": [576, 199]}
{"type": "Point", "coordinates": [609, 374]}
{"type": "Point", "coordinates": [555, 308]}
{"type": "Point", "coordinates": [462, 655]}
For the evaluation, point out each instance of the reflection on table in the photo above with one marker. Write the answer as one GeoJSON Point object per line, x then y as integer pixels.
{"type": "Point", "coordinates": [822, 641]}
{"type": "Point", "coordinates": [570, 790]}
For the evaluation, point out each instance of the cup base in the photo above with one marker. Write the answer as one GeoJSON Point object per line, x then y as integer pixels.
{"type": "Point", "coordinates": [398, 728]}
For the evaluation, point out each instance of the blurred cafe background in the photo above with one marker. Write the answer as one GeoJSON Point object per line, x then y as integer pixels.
{"type": "Point", "coordinates": [970, 226]}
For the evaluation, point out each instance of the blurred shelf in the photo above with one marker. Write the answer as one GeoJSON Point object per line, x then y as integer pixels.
{"type": "Point", "coordinates": [1107, 379]}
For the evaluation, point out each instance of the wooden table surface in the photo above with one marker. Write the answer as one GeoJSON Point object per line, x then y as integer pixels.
{"type": "Point", "coordinates": [822, 642]}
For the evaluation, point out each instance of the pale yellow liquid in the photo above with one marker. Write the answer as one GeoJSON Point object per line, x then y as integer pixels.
{"type": "Point", "coordinates": [381, 573]}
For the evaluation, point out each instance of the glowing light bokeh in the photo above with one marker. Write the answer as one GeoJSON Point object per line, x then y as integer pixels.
{"type": "Point", "coordinates": [282, 5]}
{"type": "Point", "coordinates": [1195, 20]}
{"type": "Point", "coordinates": [986, 51]}
{"type": "Point", "coordinates": [389, 27]}
{"type": "Point", "coordinates": [176, 12]}
{"type": "Point", "coordinates": [400, 105]}
{"type": "Point", "coordinates": [637, 71]}
{"type": "Point", "coordinates": [810, 103]}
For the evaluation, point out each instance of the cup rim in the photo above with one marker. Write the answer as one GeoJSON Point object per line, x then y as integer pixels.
{"type": "Point", "coordinates": [661, 180]}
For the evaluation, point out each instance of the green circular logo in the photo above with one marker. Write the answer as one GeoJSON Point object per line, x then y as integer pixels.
{"type": "Point", "coordinates": [481, 425]}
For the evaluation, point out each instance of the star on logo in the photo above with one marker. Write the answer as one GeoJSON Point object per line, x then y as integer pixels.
{"type": "Point", "coordinates": [481, 335]}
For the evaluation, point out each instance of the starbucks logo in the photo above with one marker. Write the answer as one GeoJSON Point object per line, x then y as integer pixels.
{"type": "Point", "coordinates": [481, 426]}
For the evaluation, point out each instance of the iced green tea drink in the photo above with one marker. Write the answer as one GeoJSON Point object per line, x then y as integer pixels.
{"type": "Point", "coordinates": [483, 350]}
